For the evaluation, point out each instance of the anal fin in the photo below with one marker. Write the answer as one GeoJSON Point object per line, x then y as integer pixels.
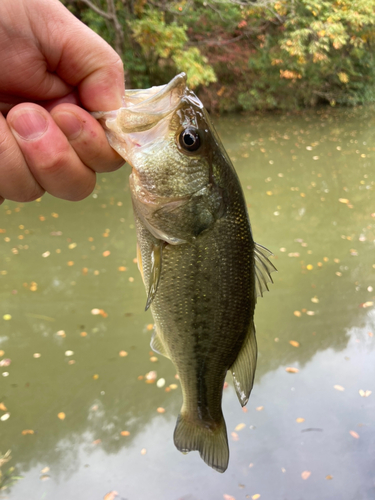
{"type": "Point", "coordinates": [155, 273]}
{"type": "Point", "coordinates": [243, 369]}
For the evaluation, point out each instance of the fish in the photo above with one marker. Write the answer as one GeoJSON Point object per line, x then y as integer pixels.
{"type": "Point", "coordinates": [200, 266]}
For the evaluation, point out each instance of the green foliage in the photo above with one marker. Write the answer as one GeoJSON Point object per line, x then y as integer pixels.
{"type": "Point", "coordinates": [246, 55]}
{"type": "Point", "coordinates": [162, 41]}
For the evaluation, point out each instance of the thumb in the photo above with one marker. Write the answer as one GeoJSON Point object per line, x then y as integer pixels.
{"type": "Point", "coordinates": [80, 57]}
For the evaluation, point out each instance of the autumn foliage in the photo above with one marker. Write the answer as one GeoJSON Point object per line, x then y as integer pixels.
{"type": "Point", "coordinates": [243, 54]}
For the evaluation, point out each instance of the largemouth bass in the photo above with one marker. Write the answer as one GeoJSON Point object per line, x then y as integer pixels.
{"type": "Point", "coordinates": [200, 266]}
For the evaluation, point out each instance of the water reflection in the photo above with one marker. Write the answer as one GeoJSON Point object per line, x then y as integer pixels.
{"type": "Point", "coordinates": [309, 182]}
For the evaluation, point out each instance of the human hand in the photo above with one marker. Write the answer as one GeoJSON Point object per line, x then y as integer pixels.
{"type": "Point", "coordinates": [53, 69]}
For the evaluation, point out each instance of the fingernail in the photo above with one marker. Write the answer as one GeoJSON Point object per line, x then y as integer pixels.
{"type": "Point", "coordinates": [69, 124]}
{"type": "Point", "coordinates": [29, 125]}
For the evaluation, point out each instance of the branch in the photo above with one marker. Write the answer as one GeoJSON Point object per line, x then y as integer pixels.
{"type": "Point", "coordinates": [96, 9]}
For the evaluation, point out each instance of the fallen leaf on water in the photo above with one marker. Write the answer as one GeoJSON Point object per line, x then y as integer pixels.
{"type": "Point", "coordinates": [97, 441]}
{"type": "Point", "coordinates": [123, 354]}
{"type": "Point", "coordinates": [259, 408]}
{"type": "Point", "coordinates": [256, 496]}
{"type": "Point", "coordinates": [315, 299]}
{"type": "Point", "coordinates": [160, 410]}
{"type": "Point", "coordinates": [234, 436]}
{"type": "Point", "coordinates": [3, 407]}
{"type": "Point", "coordinates": [4, 417]}
{"type": "Point", "coordinates": [299, 420]}
{"type": "Point", "coordinates": [61, 333]}
{"type": "Point", "coordinates": [150, 326]}
{"type": "Point", "coordinates": [339, 388]}
{"type": "Point", "coordinates": [367, 304]}
{"type": "Point", "coordinates": [27, 431]}
{"type": "Point", "coordinates": [111, 495]}
{"type": "Point", "coordinates": [143, 451]}
{"type": "Point", "coordinates": [125, 433]}
{"type": "Point", "coordinates": [7, 317]}
{"type": "Point", "coordinates": [61, 415]}
{"type": "Point", "coordinates": [306, 474]}
{"type": "Point", "coordinates": [228, 497]}
{"type": "Point", "coordinates": [354, 434]}
{"type": "Point", "coordinates": [45, 470]}
{"type": "Point", "coordinates": [44, 477]}
{"type": "Point", "coordinates": [343, 200]}
{"type": "Point", "coordinates": [36, 355]}
{"type": "Point", "coordinates": [2, 353]}
{"type": "Point", "coordinates": [173, 386]}
{"type": "Point", "coordinates": [95, 377]}
{"type": "Point", "coordinates": [160, 383]}
{"type": "Point", "coordinates": [297, 313]}
{"type": "Point", "coordinates": [69, 353]}
{"type": "Point", "coordinates": [106, 253]}
{"type": "Point", "coordinates": [239, 427]}
{"type": "Point", "coordinates": [153, 359]}
{"type": "Point", "coordinates": [5, 362]}
{"type": "Point", "coordinates": [291, 369]}
{"type": "Point", "coordinates": [294, 343]}
{"type": "Point", "coordinates": [151, 377]}
{"type": "Point", "coordinates": [329, 476]}
{"type": "Point", "coordinates": [95, 311]}
{"type": "Point", "coordinates": [364, 394]}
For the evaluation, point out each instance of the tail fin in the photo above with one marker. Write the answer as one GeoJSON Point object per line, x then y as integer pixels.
{"type": "Point", "coordinates": [211, 444]}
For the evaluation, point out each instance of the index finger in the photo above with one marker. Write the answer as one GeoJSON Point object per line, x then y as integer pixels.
{"type": "Point", "coordinates": [79, 56]}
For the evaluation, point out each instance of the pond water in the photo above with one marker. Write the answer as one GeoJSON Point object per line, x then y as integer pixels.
{"type": "Point", "coordinates": [76, 411]}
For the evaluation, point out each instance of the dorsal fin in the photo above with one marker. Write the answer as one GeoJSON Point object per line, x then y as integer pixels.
{"type": "Point", "coordinates": [263, 269]}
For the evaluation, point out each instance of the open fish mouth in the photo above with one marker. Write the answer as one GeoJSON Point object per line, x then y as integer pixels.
{"type": "Point", "coordinates": [140, 121]}
{"type": "Point", "coordinates": [143, 109]}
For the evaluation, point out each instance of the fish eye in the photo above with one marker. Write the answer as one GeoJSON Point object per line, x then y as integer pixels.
{"type": "Point", "coordinates": [190, 140]}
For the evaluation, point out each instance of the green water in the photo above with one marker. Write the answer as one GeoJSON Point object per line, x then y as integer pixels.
{"type": "Point", "coordinates": [53, 274]}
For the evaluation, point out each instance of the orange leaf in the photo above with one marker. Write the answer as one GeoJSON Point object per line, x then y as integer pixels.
{"type": "Point", "coordinates": [294, 343]}
{"type": "Point", "coordinates": [27, 431]}
{"type": "Point", "coordinates": [354, 434]}
{"type": "Point", "coordinates": [291, 369]}
{"type": "Point", "coordinates": [305, 474]}
{"type": "Point", "coordinates": [111, 495]}
{"type": "Point", "coordinates": [61, 415]}
{"type": "Point", "coordinates": [125, 433]}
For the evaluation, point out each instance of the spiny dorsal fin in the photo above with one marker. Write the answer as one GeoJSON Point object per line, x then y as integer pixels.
{"type": "Point", "coordinates": [263, 269]}
{"type": "Point", "coordinates": [243, 369]}
{"type": "Point", "coordinates": [155, 273]}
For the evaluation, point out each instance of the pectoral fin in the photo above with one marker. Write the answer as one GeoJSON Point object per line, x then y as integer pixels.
{"type": "Point", "coordinates": [155, 273]}
{"type": "Point", "coordinates": [263, 269]}
{"type": "Point", "coordinates": [157, 344]}
{"type": "Point", "coordinates": [139, 261]}
{"type": "Point", "coordinates": [243, 369]}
